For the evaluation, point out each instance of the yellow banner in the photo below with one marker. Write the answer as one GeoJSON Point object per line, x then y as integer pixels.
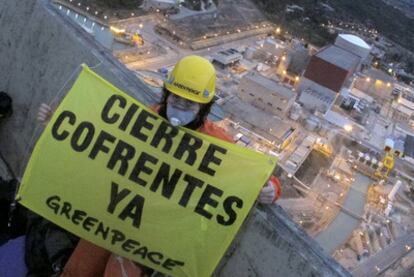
{"type": "Point", "coordinates": [111, 171]}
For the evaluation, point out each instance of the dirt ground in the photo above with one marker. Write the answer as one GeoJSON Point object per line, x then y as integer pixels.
{"type": "Point", "coordinates": [230, 16]}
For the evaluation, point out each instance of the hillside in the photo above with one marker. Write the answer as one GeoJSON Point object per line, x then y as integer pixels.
{"type": "Point", "coordinates": [304, 18]}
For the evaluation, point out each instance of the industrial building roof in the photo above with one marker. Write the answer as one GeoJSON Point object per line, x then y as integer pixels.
{"type": "Point", "coordinates": [299, 61]}
{"type": "Point", "coordinates": [355, 40]}
{"type": "Point", "coordinates": [271, 85]}
{"type": "Point", "coordinates": [228, 56]}
{"type": "Point", "coordinates": [319, 95]}
{"type": "Point", "coordinates": [337, 119]}
{"type": "Point", "coordinates": [339, 57]}
{"type": "Point", "coordinates": [409, 146]}
{"type": "Point", "coordinates": [267, 126]}
{"type": "Point", "coordinates": [376, 74]}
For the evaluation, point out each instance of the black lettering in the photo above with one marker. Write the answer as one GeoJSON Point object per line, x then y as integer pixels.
{"type": "Point", "coordinates": [117, 236]}
{"type": "Point", "coordinates": [210, 158]}
{"type": "Point", "coordinates": [50, 202]}
{"type": "Point", "coordinates": [101, 229]}
{"type": "Point", "coordinates": [189, 144]}
{"type": "Point", "coordinates": [168, 184]}
{"type": "Point", "coordinates": [128, 116]}
{"type": "Point", "coordinates": [129, 244]}
{"type": "Point", "coordinates": [164, 132]}
{"type": "Point", "coordinates": [116, 197]}
{"type": "Point", "coordinates": [169, 264]}
{"type": "Point", "coordinates": [66, 208]}
{"type": "Point", "coordinates": [134, 210]}
{"type": "Point", "coordinates": [100, 144]}
{"type": "Point", "coordinates": [55, 129]}
{"type": "Point", "coordinates": [77, 144]}
{"type": "Point", "coordinates": [78, 216]}
{"type": "Point", "coordinates": [123, 153]}
{"type": "Point", "coordinates": [89, 222]}
{"type": "Point", "coordinates": [142, 122]}
{"type": "Point", "coordinates": [108, 106]}
{"type": "Point", "coordinates": [206, 199]}
{"type": "Point", "coordinates": [228, 208]}
{"type": "Point", "coordinates": [140, 166]}
{"type": "Point", "coordinates": [142, 251]}
{"type": "Point", "coordinates": [152, 258]}
{"type": "Point", "coordinates": [192, 183]}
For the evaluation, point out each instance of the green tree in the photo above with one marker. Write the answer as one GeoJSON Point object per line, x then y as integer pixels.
{"type": "Point", "coordinates": [121, 3]}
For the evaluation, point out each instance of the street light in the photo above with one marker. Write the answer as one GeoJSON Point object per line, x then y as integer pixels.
{"type": "Point", "coordinates": [348, 128]}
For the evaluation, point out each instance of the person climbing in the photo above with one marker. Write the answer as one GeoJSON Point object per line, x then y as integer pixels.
{"type": "Point", "coordinates": [188, 96]}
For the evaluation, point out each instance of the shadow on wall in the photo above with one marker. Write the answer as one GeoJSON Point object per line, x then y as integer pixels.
{"type": "Point", "coordinates": [6, 108]}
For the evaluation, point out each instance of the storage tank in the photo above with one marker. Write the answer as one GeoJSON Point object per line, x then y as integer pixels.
{"type": "Point", "coordinates": [399, 148]}
{"type": "Point", "coordinates": [389, 145]}
{"type": "Point", "coordinates": [353, 44]}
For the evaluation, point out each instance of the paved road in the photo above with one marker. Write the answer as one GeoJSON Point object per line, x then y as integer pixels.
{"type": "Point", "coordinates": [384, 259]}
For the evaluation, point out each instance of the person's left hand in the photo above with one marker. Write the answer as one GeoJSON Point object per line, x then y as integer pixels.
{"type": "Point", "coordinates": [267, 194]}
{"type": "Point", "coordinates": [44, 113]}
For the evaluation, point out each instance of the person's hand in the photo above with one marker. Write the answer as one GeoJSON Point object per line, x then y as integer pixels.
{"type": "Point", "coordinates": [44, 113]}
{"type": "Point", "coordinates": [267, 194]}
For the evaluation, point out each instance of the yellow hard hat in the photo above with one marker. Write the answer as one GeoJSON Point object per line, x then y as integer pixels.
{"type": "Point", "coordinates": [193, 78]}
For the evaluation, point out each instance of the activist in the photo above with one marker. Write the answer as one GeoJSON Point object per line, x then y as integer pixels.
{"type": "Point", "coordinates": [187, 99]}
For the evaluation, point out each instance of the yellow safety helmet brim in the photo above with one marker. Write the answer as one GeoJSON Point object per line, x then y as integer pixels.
{"type": "Point", "coordinates": [193, 78]}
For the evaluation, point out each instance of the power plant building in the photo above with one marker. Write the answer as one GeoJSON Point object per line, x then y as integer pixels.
{"type": "Point", "coordinates": [266, 94]}
{"type": "Point", "coordinates": [227, 57]}
{"type": "Point", "coordinates": [327, 72]}
{"type": "Point", "coordinates": [354, 45]}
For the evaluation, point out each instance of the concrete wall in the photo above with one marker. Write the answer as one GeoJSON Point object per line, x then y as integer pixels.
{"type": "Point", "coordinates": [39, 51]}
{"type": "Point", "coordinates": [270, 244]}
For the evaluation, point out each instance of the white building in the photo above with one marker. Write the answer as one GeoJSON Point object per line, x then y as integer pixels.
{"type": "Point", "coordinates": [354, 45]}
{"type": "Point", "coordinates": [227, 57]}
